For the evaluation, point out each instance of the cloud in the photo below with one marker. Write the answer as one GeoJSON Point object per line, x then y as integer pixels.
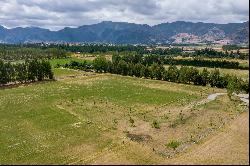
{"type": "Point", "coordinates": [56, 14]}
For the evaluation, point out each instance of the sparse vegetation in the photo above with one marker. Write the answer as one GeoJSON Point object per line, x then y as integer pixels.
{"type": "Point", "coordinates": [173, 144]}
{"type": "Point", "coordinates": [156, 124]}
{"type": "Point", "coordinates": [132, 122]}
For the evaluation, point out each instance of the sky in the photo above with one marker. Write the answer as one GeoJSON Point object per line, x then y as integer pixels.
{"type": "Point", "coordinates": [57, 14]}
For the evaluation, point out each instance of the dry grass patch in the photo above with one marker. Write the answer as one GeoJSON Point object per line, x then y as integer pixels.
{"type": "Point", "coordinates": [91, 57]}
{"type": "Point", "coordinates": [227, 147]}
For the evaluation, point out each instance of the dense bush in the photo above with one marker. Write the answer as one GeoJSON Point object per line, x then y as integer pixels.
{"type": "Point", "coordinates": [149, 59]}
{"type": "Point", "coordinates": [29, 71]}
{"type": "Point", "coordinates": [232, 47]}
{"type": "Point", "coordinates": [17, 52]}
{"type": "Point", "coordinates": [204, 63]}
{"type": "Point", "coordinates": [78, 65]}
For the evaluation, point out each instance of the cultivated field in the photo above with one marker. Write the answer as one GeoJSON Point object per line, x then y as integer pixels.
{"type": "Point", "coordinates": [91, 57]}
{"type": "Point", "coordinates": [89, 118]}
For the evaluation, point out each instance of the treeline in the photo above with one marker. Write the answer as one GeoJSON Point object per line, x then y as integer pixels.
{"type": "Point", "coordinates": [91, 48]}
{"type": "Point", "coordinates": [29, 71]}
{"type": "Point", "coordinates": [149, 59]}
{"type": "Point", "coordinates": [205, 63]}
{"type": "Point", "coordinates": [48, 51]}
{"type": "Point", "coordinates": [211, 53]}
{"type": "Point", "coordinates": [232, 47]}
{"type": "Point", "coordinates": [102, 48]}
{"type": "Point", "coordinates": [185, 75]}
{"type": "Point", "coordinates": [169, 51]}
{"type": "Point", "coordinates": [141, 50]}
{"type": "Point", "coordinates": [18, 52]}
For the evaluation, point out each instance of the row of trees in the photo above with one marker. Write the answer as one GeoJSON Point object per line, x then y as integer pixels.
{"type": "Point", "coordinates": [153, 58]}
{"type": "Point", "coordinates": [232, 47]}
{"type": "Point", "coordinates": [103, 48]}
{"type": "Point", "coordinates": [205, 63]}
{"type": "Point", "coordinates": [185, 75]}
{"type": "Point", "coordinates": [49, 51]}
{"type": "Point", "coordinates": [29, 71]}
{"type": "Point", "coordinates": [124, 49]}
{"type": "Point", "coordinates": [211, 53]}
{"type": "Point", "coordinates": [18, 52]}
{"type": "Point", "coordinates": [170, 51]}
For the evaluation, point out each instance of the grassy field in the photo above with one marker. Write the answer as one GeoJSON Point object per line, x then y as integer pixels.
{"type": "Point", "coordinates": [61, 72]}
{"type": "Point", "coordinates": [88, 118]}
{"type": "Point", "coordinates": [54, 62]}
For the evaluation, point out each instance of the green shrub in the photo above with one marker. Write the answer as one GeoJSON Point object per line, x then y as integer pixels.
{"type": "Point", "coordinates": [173, 144]}
{"type": "Point", "coordinates": [132, 121]}
{"type": "Point", "coordinates": [156, 124]}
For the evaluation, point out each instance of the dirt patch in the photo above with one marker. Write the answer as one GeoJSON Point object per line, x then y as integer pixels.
{"type": "Point", "coordinates": [16, 85]}
{"type": "Point", "coordinates": [139, 137]}
{"type": "Point", "coordinates": [87, 79]}
{"type": "Point", "coordinates": [81, 74]}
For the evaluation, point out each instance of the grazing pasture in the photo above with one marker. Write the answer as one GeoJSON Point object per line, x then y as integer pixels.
{"type": "Point", "coordinates": [89, 118]}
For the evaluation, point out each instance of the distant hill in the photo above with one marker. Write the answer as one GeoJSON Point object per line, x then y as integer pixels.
{"type": "Point", "coordinates": [130, 33]}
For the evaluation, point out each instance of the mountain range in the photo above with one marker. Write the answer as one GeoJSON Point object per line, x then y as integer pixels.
{"type": "Point", "coordinates": [131, 33]}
